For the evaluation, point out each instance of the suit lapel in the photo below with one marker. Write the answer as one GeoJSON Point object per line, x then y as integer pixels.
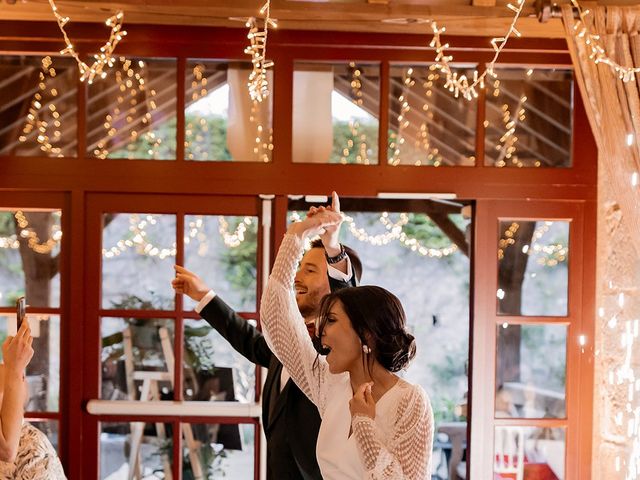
{"type": "Point", "coordinates": [276, 398]}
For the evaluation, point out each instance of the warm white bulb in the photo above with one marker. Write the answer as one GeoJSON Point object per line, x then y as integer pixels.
{"type": "Point", "coordinates": [630, 139]}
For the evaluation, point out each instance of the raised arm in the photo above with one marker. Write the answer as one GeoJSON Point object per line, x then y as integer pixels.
{"type": "Point", "coordinates": [241, 335]}
{"type": "Point", "coordinates": [408, 453]}
{"type": "Point", "coordinates": [281, 320]}
{"type": "Point", "coordinates": [284, 327]}
{"type": "Point", "coordinates": [17, 354]}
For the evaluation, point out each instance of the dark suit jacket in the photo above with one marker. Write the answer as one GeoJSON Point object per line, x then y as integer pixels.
{"type": "Point", "coordinates": [291, 422]}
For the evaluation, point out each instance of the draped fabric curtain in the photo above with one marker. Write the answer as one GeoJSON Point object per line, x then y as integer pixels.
{"type": "Point", "coordinates": [613, 108]}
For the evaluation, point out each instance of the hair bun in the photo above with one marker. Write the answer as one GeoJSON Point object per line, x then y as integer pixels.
{"type": "Point", "coordinates": [403, 348]}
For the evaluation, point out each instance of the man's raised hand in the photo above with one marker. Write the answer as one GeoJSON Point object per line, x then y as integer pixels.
{"type": "Point", "coordinates": [189, 284]}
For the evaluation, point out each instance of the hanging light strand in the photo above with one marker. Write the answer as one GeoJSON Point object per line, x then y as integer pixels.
{"type": "Point", "coordinates": [258, 82]}
{"type": "Point", "coordinates": [33, 242]}
{"type": "Point", "coordinates": [43, 113]}
{"type": "Point", "coordinates": [394, 232]}
{"type": "Point", "coordinates": [598, 53]}
{"type": "Point", "coordinates": [235, 239]}
{"type": "Point", "coordinates": [101, 60]}
{"type": "Point", "coordinates": [138, 240]}
{"type": "Point", "coordinates": [461, 84]}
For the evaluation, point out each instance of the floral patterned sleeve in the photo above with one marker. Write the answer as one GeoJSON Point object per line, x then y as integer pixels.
{"type": "Point", "coordinates": [36, 458]}
{"type": "Point", "coordinates": [407, 454]}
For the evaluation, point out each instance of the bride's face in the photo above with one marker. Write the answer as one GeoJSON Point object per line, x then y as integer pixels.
{"type": "Point", "coordinates": [341, 339]}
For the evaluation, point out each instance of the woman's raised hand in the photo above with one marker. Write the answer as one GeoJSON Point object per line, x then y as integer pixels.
{"type": "Point", "coordinates": [318, 221]}
{"type": "Point", "coordinates": [17, 351]}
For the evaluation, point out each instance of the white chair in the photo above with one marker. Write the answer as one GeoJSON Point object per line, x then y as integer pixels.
{"type": "Point", "coordinates": [509, 451]}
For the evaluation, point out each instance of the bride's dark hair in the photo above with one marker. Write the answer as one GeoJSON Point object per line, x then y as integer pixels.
{"type": "Point", "coordinates": [378, 319]}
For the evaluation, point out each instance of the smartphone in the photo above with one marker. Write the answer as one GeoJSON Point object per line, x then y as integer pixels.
{"type": "Point", "coordinates": [21, 312]}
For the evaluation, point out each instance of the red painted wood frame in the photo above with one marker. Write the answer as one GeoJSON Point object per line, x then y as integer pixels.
{"type": "Point", "coordinates": [78, 180]}
{"type": "Point", "coordinates": [579, 320]}
{"type": "Point", "coordinates": [51, 201]}
{"type": "Point", "coordinates": [179, 205]}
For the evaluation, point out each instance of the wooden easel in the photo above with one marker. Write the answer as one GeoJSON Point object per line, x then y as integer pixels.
{"type": "Point", "coordinates": [150, 391]}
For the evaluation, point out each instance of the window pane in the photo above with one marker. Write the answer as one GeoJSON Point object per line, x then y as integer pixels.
{"type": "Point", "coordinates": [29, 257]}
{"type": "Point", "coordinates": [529, 118]}
{"type": "Point", "coordinates": [118, 455]}
{"type": "Point", "coordinates": [531, 370]}
{"type": "Point", "coordinates": [38, 106]}
{"type": "Point", "coordinates": [533, 275]}
{"type": "Point", "coordinates": [213, 370]}
{"type": "Point", "coordinates": [335, 112]}
{"type": "Point", "coordinates": [137, 359]}
{"type": "Point", "coordinates": [398, 252]}
{"type": "Point", "coordinates": [527, 452]}
{"type": "Point", "coordinates": [138, 252]}
{"type": "Point", "coordinates": [43, 372]}
{"type": "Point", "coordinates": [222, 251]}
{"type": "Point", "coordinates": [132, 112]}
{"type": "Point", "coordinates": [218, 451]}
{"type": "Point", "coordinates": [427, 124]}
{"type": "Point", "coordinates": [221, 121]}
{"type": "Point", "coordinates": [49, 428]}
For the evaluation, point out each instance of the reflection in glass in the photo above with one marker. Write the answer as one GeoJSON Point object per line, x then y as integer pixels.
{"type": "Point", "coordinates": [222, 251]}
{"type": "Point", "coordinates": [527, 452]}
{"type": "Point", "coordinates": [132, 112]}
{"type": "Point", "coordinates": [38, 106]}
{"type": "Point", "coordinates": [531, 371]}
{"type": "Point", "coordinates": [137, 359]}
{"type": "Point", "coordinates": [398, 252]}
{"type": "Point", "coordinates": [30, 257]}
{"type": "Point", "coordinates": [222, 123]}
{"type": "Point", "coordinates": [151, 459]}
{"type": "Point", "coordinates": [138, 252]}
{"type": "Point", "coordinates": [427, 124]}
{"type": "Point", "coordinates": [43, 372]}
{"type": "Point", "coordinates": [213, 370]}
{"type": "Point", "coordinates": [218, 451]}
{"type": "Point", "coordinates": [529, 118]}
{"type": "Point", "coordinates": [533, 272]}
{"type": "Point", "coordinates": [335, 112]}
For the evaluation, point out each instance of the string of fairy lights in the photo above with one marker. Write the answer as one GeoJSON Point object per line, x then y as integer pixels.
{"type": "Point", "coordinates": [43, 102]}
{"type": "Point", "coordinates": [422, 142]}
{"type": "Point", "coordinates": [548, 255]}
{"type": "Point", "coordinates": [257, 49]}
{"type": "Point", "coordinates": [358, 138]}
{"type": "Point", "coordinates": [460, 84]}
{"type": "Point", "coordinates": [102, 60]}
{"type": "Point", "coordinates": [33, 241]}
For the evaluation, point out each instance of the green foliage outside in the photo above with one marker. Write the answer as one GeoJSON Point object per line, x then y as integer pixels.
{"type": "Point", "coordinates": [342, 135]}
{"type": "Point", "coordinates": [240, 262]}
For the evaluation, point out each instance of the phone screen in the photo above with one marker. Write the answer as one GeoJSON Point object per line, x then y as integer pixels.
{"type": "Point", "coordinates": [21, 311]}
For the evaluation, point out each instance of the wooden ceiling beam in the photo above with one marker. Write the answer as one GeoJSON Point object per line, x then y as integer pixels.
{"type": "Point", "coordinates": [483, 3]}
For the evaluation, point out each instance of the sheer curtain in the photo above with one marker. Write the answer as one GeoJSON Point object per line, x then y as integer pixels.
{"type": "Point", "coordinates": [613, 108]}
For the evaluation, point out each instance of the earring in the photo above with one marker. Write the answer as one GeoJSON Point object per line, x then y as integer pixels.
{"type": "Point", "coordinates": [366, 349]}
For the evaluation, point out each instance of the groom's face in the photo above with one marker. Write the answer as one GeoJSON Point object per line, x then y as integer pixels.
{"type": "Point", "coordinates": [311, 283]}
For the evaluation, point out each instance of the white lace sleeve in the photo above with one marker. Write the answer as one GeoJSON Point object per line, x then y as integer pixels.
{"type": "Point", "coordinates": [284, 328]}
{"type": "Point", "coordinates": [406, 455]}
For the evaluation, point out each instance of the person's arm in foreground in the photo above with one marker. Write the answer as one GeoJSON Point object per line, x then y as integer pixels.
{"type": "Point", "coordinates": [17, 353]}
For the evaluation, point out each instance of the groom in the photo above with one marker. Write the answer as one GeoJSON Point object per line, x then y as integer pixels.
{"type": "Point", "coordinates": [291, 422]}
